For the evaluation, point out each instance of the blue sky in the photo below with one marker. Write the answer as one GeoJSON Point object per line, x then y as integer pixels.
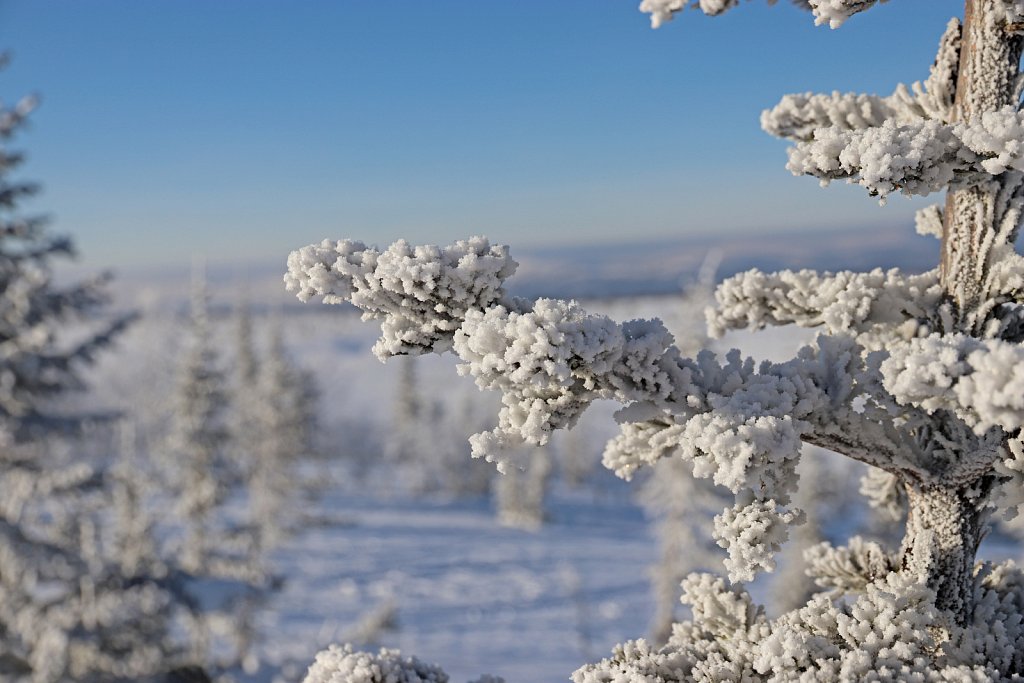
{"type": "Point", "coordinates": [238, 131]}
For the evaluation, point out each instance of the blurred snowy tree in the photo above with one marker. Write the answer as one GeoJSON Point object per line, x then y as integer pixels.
{"type": "Point", "coordinates": [244, 419]}
{"type": "Point", "coordinates": [520, 492]}
{"type": "Point", "coordinates": [215, 571]}
{"type": "Point", "coordinates": [286, 429]}
{"type": "Point", "coordinates": [460, 475]}
{"type": "Point", "coordinates": [74, 605]}
{"type": "Point", "coordinates": [199, 438]}
{"type": "Point", "coordinates": [409, 447]}
{"type": "Point", "coordinates": [683, 508]}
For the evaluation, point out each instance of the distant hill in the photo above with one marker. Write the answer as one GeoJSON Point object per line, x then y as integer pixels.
{"type": "Point", "coordinates": [658, 267]}
{"type": "Point", "coordinates": [591, 271]}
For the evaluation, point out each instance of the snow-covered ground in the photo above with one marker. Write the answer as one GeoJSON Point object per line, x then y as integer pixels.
{"type": "Point", "coordinates": [467, 593]}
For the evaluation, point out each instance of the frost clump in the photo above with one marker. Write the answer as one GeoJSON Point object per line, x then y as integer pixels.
{"type": "Point", "coordinates": [421, 293]}
{"type": "Point", "coordinates": [981, 381]}
{"type": "Point", "coordinates": [342, 664]}
{"type": "Point", "coordinates": [836, 12]}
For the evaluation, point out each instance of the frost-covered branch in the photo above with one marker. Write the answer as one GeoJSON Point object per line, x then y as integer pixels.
{"type": "Point", "coordinates": [918, 158]}
{"type": "Point", "coordinates": [915, 158]}
{"type": "Point", "coordinates": [832, 12]}
{"type": "Point", "coordinates": [796, 117]}
{"type": "Point", "coordinates": [421, 294]}
{"type": "Point", "coordinates": [888, 633]}
{"type": "Point", "coordinates": [848, 569]}
{"type": "Point", "coordinates": [843, 303]}
{"type": "Point", "coordinates": [662, 11]}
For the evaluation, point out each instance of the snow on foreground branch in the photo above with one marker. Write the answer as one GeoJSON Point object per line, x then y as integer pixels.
{"type": "Point", "coordinates": [740, 425]}
{"type": "Point", "coordinates": [915, 158]}
{"type": "Point", "coordinates": [797, 117]}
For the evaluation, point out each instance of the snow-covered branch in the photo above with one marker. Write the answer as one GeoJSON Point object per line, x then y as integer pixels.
{"type": "Point", "coordinates": [832, 12]}
{"type": "Point", "coordinates": [421, 294]}
{"type": "Point", "coordinates": [848, 569]}
{"type": "Point", "coordinates": [796, 117]}
{"type": "Point", "coordinates": [890, 627]}
{"type": "Point", "coordinates": [914, 158]}
{"type": "Point", "coordinates": [843, 303]}
{"type": "Point", "coordinates": [662, 11]}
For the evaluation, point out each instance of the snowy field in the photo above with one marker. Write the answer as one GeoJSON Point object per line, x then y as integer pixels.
{"type": "Point", "coordinates": [467, 593]}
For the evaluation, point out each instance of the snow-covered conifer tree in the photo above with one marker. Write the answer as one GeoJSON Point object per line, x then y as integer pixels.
{"type": "Point", "coordinates": [519, 494]}
{"type": "Point", "coordinates": [72, 607]}
{"type": "Point", "coordinates": [407, 449]}
{"type": "Point", "coordinates": [682, 508]}
{"type": "Point", "coordinates": [462, 475]}
{"type": "Point", "coordinates": [286, 427]}
{"type": "Point", "coordinates": [918, 375]}
{"type": "Point", "coordinates": [245, 399]}
{"type": "Point", "coordinates": [219, 571]}
{"type": "Point", "coordinates": [577, 458]}
{"type": "Point", "coordinates": [199, 437]}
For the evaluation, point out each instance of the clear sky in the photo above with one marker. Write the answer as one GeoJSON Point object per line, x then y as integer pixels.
{"type": "Point", "coordinates": [239, 130]}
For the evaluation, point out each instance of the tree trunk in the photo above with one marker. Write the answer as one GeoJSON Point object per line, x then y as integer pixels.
{"type": "Point", "coordinates": [944, 528]}
{"type": "Point", "coordinates": [945, 524]}
{"type": "Point", "coordinates": [989, 65]}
